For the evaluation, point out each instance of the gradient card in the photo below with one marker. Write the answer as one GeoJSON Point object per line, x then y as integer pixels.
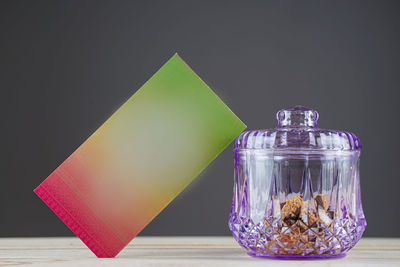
{"type": "Point", "coordinates": [140, 159]}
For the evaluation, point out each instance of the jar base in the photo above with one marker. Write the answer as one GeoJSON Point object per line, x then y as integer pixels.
{"type": "Point", "coordinates": [297, 257]}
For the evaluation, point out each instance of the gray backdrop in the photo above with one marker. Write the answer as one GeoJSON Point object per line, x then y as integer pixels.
{"type": "Point", "coordinates": [66, 66]}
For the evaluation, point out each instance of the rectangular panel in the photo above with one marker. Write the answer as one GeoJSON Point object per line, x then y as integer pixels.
{"type": "Point", "coordinates": [140, 159]}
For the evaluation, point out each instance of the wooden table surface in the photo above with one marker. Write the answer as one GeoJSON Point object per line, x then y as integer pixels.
{"type": "Point", "coordinates": [179, 251]}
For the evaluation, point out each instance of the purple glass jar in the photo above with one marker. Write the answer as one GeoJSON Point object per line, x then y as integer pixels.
{"type": "Point", "coordinates": [297, 189]}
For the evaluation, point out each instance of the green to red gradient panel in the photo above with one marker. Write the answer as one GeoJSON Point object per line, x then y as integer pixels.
{"type": "Point", "coordinates": [140, 159]}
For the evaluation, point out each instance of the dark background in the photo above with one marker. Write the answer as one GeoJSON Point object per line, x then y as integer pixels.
{"type": "Point", "coordinates": [66, 66]}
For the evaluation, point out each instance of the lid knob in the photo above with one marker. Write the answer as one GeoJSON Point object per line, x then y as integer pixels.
{"type": "Point", "coordinates": [297, 116]}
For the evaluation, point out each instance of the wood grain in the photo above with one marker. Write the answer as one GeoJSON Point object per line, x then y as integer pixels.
{"type": "Point", "coordinates": [179, 251]}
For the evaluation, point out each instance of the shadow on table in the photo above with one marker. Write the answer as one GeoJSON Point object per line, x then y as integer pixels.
{"type": "Point", "coordinates": [209, 254]}
{"type": "Point", "coordinates": [186, 253]}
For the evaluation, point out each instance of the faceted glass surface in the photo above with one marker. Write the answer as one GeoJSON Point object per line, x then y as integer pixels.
{"type": "Point", "coordinates": [300, 199]}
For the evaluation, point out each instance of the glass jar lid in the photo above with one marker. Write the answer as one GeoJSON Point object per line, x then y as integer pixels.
{"type": "Point", "coordinates": [297, 130]}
